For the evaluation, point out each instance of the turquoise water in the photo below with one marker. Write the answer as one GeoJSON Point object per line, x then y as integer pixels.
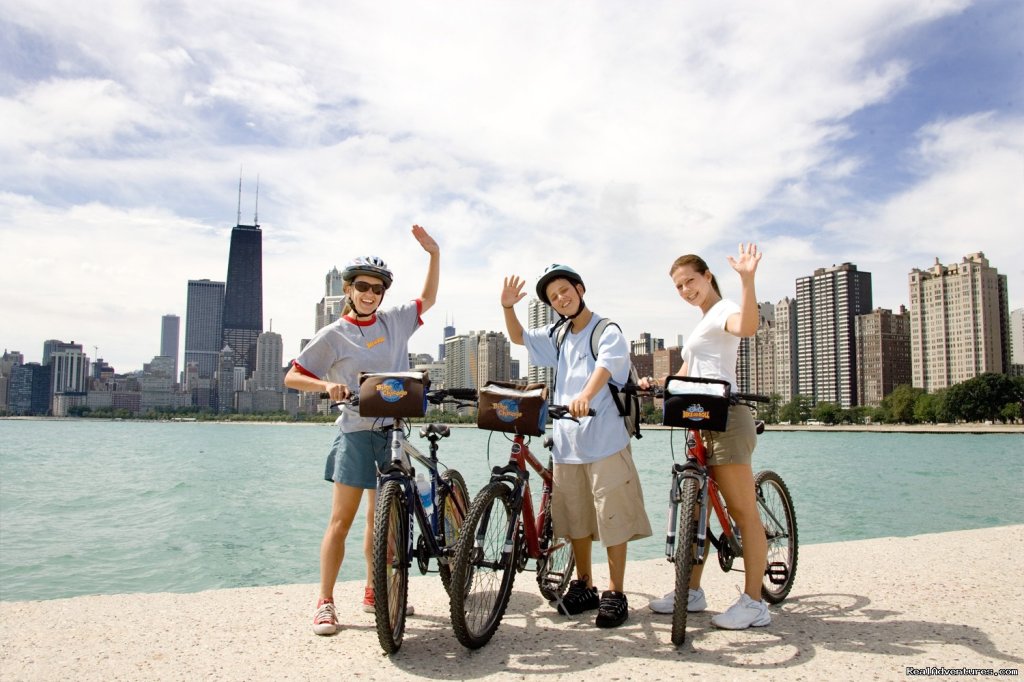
{"type": "Point", "coordinates": [96, 507]}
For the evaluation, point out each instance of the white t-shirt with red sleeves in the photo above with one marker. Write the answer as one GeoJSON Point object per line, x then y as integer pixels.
{"type": "Point", "coordinates": [710, 352]}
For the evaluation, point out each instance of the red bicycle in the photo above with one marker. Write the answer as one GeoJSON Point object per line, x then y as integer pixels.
{"type": "Point", "coordinates": [497, 539]}
{"type": "Point", "coordinates": [702, 404]}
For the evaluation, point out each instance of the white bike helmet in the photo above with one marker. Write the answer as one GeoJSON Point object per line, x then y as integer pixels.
{"type": "Point", "coordinates": [373, 266]}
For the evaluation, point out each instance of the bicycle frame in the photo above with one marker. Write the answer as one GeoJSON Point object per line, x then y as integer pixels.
{"type": "Point", "coordinates": [696, 467]}
{"type": "Point", "coordinates": [516, 474]}
{"type": "Point", "coordinates": [400, 469]}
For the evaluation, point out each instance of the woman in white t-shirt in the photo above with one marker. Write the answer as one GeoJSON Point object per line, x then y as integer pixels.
{"type": "Point", "coordinates": [365, 338]}
{"type": "Point", "coordinates": [710, 353]}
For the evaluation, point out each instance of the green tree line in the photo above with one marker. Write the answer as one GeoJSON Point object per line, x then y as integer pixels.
{"type": "Point", "coordinates": [987, 397]}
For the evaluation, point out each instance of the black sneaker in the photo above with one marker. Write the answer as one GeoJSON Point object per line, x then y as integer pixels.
{"type": "Point", "coordinates": [578, 598]}
{"type": "Point", "coordinates": [613, 610]}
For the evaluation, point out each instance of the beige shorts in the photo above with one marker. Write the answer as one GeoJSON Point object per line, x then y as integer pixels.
{"type": "Point", "coordinates": [601, 500]}
{"type": "Point", "coordinates": [736, 444]}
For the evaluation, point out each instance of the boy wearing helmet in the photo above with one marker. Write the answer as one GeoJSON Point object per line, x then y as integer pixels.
{"type": "Point", "coordinates": [596, 492]}
{"type": "Point", "coordinates": [363, 339]}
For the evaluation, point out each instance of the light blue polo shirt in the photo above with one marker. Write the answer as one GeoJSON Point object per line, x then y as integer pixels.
{"type": "Point", "coordinates": [604, 434]}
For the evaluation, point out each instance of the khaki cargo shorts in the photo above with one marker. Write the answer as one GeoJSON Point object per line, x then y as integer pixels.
{"type": "Point", "coordinates": [601, 500]}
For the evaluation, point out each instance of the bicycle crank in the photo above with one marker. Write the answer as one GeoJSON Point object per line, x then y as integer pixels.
{"type": "Point", "coordinates": [725, 553]}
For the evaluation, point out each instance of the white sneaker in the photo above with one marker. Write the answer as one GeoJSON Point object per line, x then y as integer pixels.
{"type": "Point", "coordinates": [325, 621]}
{"type": "Point", "coordinates": [695, 602]}
{"type": "Point", "coordinates": [743, 614]}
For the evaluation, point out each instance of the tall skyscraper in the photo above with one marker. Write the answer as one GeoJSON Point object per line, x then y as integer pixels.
{"type": "Point", "coordinates": [449, 330]}
{"type": "Point", "coordinates": [883, 354]}
{"type": "Point", "coordinates": [69, 370]}
{"type": "Point", "coordinates": [460, 360]}
{"type": "Point", "coordinates": [204, 314]}
{"type": "Point", "coordinates": [226, 380]}
{"type": "Point", "coordinates": [539, 314]}
{"type": "Point", "coordinates": [334, 284]}
{"type": "Point", "coordinates": [959, 322]}
{"type": "Point", "coordinates": [330, 306]}
{"type": "Point", "coordinates": [827, 304]}
{"type": "Point", "coordinates": [755, 365]}
{"type": "Point", "coordinates": [269, 360]}
{"type": "Point", "coordinates": [243, 295]}
{"type": "Point", "coordinates": [170, 332]}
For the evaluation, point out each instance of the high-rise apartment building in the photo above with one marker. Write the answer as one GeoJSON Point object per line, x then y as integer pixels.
{"type": "Point", "coordinates": [539, 314]}
{"type": "Point", "coordinates": [494, 360]}
{"type": "Point", "coordinates": [28, 390]}
{"type": "Point", "coordinates": [170, 332]}
{"type": "Point", "coordinates": [883, 354]}
{"type": "Point", "coordinates": [784, 348]}
{"type": "Point", "coordinates": [959, 322]}
{"type": "Point", "coordinates": [243, 295]}
{"type": "Point", "coordinates": [827, 303]}
{"type": "Point", "coordinates": [226, 380]}
{"type": "Point", "coordinates": [460, 360]}
{"type": "Point", "coordinates": [755, 363]}
{"type": "Point", "coordinates": [204, 314]}
{"type": "Point", "coordinates": [334, 283]}
{"type": "Point", "coordinates": [331, 305]}
{"type": "Point", "coordinates": [1017, 337]}
{"type": "Point", "coordinates": [269, 375]}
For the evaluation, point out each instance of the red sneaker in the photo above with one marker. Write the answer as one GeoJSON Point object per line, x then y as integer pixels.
{"type": "Point", "coordinates": [369, 605]}
{"type": "Point", "coordinates": [325, 621]}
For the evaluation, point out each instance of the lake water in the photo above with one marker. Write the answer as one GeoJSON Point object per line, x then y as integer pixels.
{"type": "Point", "coordinates": [99, 507]}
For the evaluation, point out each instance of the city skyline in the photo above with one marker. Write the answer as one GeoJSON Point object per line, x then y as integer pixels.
{"type": "Point", "coordinates": [883, 133]}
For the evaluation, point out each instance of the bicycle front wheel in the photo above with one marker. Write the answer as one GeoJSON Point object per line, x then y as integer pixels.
{"type": "Point", "coordinates": [775, 506]}
{"type": "Point", "coordinates": [484, 572]}
{"type": "Point", "coordinates": [557, 562]}
{"type": "Point", "coordinates": [686, 538]}
{"type": "Point", "coordinates": [453, 505]}
{"type": "Point", "coordinates": [391, 565]}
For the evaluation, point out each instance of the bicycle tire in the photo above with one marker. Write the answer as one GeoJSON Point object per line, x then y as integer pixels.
{"type": "Point", "coordinates": [391, 565]}
{"type": "Point", "coordinates": [686, 537]}
{"type": "Point", "coordinates": [557, 562]}
{"type": "Point", "coordinates": [481, 579]}
{"type": "Point", "coordinates": [781, 533]}
{"type": "Point", "coordinates": [453, 509]}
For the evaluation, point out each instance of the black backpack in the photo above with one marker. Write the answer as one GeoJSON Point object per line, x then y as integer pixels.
{"type": "Point", "coordinates": [626, 400]}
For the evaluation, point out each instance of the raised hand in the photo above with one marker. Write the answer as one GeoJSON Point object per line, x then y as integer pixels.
{"type": "Point", "coordinates": [746, 262]}
{"type": "Point", "coordinates": [425, 240]}
{"type": "Point", "coordinates": [512, 292]}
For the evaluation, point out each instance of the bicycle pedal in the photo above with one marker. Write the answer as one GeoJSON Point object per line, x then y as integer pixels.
{"type": "Point", "coordinates": [777, 572]}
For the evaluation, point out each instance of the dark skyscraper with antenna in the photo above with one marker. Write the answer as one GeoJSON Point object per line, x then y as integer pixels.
{"type": "Point", "coordinates": [243, 294]}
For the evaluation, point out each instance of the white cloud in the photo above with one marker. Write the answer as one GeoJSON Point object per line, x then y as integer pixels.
{"type": "Point", "coordinates": [599, 134]}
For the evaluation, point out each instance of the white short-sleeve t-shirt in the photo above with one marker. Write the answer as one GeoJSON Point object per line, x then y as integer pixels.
{"type": "Point", "coordinates": [710, 352]}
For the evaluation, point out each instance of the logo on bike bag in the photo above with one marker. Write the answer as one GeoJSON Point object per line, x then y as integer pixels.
{"type": "Point", "coordinates": [507, 410]}
{"type": "Point", "coordinates": [696, 412]}
{"type": "Point", "coordinates": [391, 390]}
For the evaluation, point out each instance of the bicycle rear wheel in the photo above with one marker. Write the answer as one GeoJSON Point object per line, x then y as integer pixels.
{"type": "Point", "coordinates": [391, 565]}
{"type": "Point", "coordinates": [557, 562]}
{"type": "Point", "coordinates": [686, 537]}
{"type": "Point", "coordinates": [453, 505]}
{"type": "Point", "coordinates": [775, 506]}
{"type": "Point", "coordinates": [483, 573]}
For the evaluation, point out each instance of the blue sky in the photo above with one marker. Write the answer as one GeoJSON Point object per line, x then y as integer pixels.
{"type": "Point", "coordinates": [611, 137]}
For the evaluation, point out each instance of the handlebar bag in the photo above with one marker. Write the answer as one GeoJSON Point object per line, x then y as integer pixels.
{"type": "Point", "coordinates": [393, 394]}
{"type": "Point", "coordinates": [693, 403]}
{"type": "Point", "coordinates": [512, 408]}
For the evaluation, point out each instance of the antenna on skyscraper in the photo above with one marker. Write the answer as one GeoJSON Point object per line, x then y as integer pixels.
{"type": "Point", "coordinates": [239, 195]}
{"type": "Point", "coordinates": [256, 214]}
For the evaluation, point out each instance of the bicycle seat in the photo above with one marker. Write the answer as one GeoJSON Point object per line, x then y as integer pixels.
{"type": "Point", "coordinates": [759, 425]}
{"type": "Point", "coordinates": [549, 442]}
{"type": "Point", "coordinates": [442, 430]}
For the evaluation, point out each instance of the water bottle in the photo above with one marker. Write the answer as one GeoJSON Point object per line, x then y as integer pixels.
{"type": "Point", "coordinates": [423, 488]}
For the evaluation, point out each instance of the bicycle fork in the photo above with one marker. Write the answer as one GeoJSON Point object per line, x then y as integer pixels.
{"type": "Point", "coordinates": [680, 473]}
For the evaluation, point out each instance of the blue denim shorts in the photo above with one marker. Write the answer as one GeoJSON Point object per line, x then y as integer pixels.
{"type": "Point", "coordinates": [355, 457]}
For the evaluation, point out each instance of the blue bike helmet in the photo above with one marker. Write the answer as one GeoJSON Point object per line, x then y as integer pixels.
{"type": "Point", "coordinates": [373, 266]}
{"type": "Point", "coordinates": [553, 272]}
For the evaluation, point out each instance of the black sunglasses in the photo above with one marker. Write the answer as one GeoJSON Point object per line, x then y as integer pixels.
{"type": "Point", "coordinates": [361, 286]}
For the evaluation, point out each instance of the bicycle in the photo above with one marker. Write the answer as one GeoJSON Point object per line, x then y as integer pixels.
{"type": "Point", "coordinates": [693, 488]}
{"type": "Point", "coordinates": [398, 503]}
{"type": "Point", "coordinates": [499, 536]}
